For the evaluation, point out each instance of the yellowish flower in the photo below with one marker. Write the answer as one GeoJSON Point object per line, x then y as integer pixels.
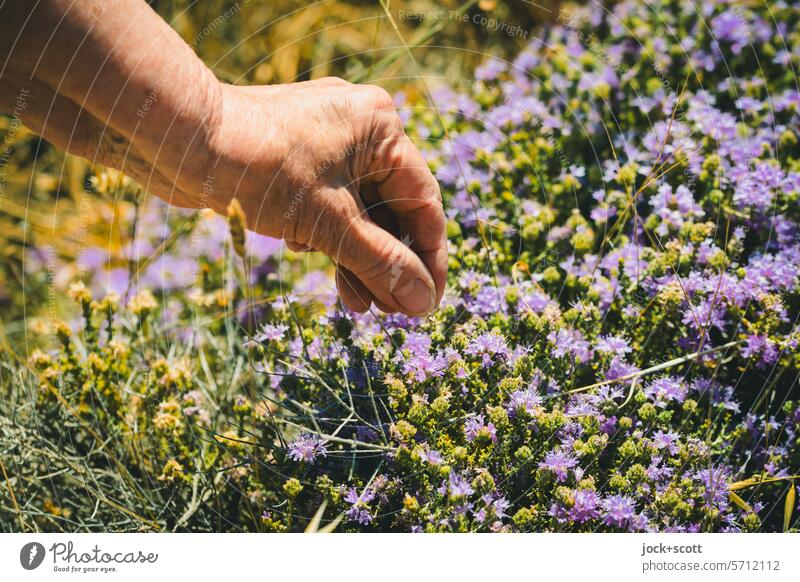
{"type": "Point", "coordinates": [142, 302]}
{"type": "Point", "coordinates": [172, 470]}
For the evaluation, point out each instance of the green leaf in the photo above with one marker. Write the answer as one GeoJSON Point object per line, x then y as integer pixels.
{"type": "Point", "coordinates": [757, 480]}
{"type": "Point", "coordinates": [332, 525]}
{"type": "Point", "coordinates": [744, 484]}
{"type": "Point", "coordinates": [788, 506]}
{"type": "Point", "coordinates": [313, 525]}
{"type": "Point", "coordinates": [740, 502]}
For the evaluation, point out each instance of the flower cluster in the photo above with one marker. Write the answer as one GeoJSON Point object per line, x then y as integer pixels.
{"type": "Point", "coordinates": [616, 350]}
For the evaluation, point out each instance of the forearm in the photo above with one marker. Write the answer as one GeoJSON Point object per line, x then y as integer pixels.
{"type": "Point", "coordinates": [118, 68]}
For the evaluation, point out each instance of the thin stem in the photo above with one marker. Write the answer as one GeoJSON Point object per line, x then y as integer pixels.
{"type": "Point", "coordinates": [663, 366]}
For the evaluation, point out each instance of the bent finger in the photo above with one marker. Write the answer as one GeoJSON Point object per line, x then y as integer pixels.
{"type": "Point", "coordinates": [409, 189]}
{"type": "Point", "coordinates": [352, 291]}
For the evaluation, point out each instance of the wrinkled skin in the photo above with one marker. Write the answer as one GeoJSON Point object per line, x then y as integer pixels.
{"type": "Point", "coordinates": [326, 165]}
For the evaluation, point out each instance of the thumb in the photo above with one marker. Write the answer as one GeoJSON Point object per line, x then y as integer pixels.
{"type": "Point", "coordinates": [386, 265]}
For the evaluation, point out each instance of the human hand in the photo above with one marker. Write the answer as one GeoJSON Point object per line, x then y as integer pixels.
{"type": "Point", "coordinates": [326, 165]}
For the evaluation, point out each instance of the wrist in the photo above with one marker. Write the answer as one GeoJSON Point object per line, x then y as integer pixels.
{"type": "Point", "coordinates": [196, 137]}
{"type": "Point", "coordinates": [181, 133]}
{"type": "Point", "coordinates": [216, 155]}
{"type": "Point", "coordinates": [243, 148]}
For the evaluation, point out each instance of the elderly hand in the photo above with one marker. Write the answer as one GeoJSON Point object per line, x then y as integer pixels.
{"type": "Point", "coordinates": [323, 164]}
{"type": "Point", "coordinates": [326, 165]}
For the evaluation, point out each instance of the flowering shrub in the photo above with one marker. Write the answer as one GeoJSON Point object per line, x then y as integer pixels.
{"type": "Point", "coordinates": [617, 349]}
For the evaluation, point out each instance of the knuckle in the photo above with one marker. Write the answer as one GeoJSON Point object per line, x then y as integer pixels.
{"type": "Point", "coordinates": [394, 128]}
{"type": "Point", "coordinates": [381, 264]}
{"type": "Point", "coordinates": [327, 224]}
{"type": "Point", "coordinates": [378, 97]}
{"type": "Point", "coordinates": [431, 206]}
{"type": "Point", "coordinates": [437, 204]}
{"type": "Point", "coordinates": [390, 149]}
{"type": "Point", "coordinates": [334, 80]}
{"type": "Point", "coordinates": [299, 221]}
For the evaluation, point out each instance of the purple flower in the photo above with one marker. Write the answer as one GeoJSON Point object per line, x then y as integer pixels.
{"type": "Point", "coordinates": [631, 311]}
{"type": "Point", "coordinates": [422, 367]}
{"type": "Point", "coordinates": [731, 27]}
{"type": "Point", "coordinates": [666, 440]}
{"type": "Point", "coordinates": [569, 341]}
{"type": "Point", "coordinates": [306, 448]}
{"type": "Point", "coordinates": [417, 360]}
{"type": "Point", "coordinates": [613, 344]}
{"type": "Point", "coordinates": [762, 347]}
{"type": "Point", "coordinates": [715, 483]}
{"type": "Point", "coordinates": [705, 314]}
{"type": "Point", "coordinates": [536, 301]}
{"type": "Point", "coordinates": [656, 472]}
{"type": "Point", "coordinates": [476, 426]}
{"type": "Point", "coordinates": [528, 400]}
{"type": "Point", "coordinates": [487, 301]}
{"type": "Point", "coordinates": [721, 395]}
{"type": "Point", "coordinates": [456, 486]}
{"type": "Point", "coordinates": [585, 506]}
{"type": "Point", "coordinates": [490, 70]}
{"type": "Point", "coordinates": [609, 425]}
{"type": "Point", "coordinates": [417, 344]}
{"type": "Point", "coordinates": [617, 368]}
{"type": "Point", "coordinates": [667, 389]}
{"type": "Point", "coordinates": [497, 503]}
{"type": "Point", "coordinates": [500, 505]}
{"type": "Point", "coordinates": [725, 25]}
{"type": "Point", "coordinates": [488, 345]}
{"type": "Point", "coordinates": [618, 510]}
{"type": "Point", "coordinates": [559, 463]}
{"type": "Point", "coordinates": [433, 457]}
{"type": "Point", "coordinates": [271, 333]}
{"type": "Point", "coordinates": [359, 510]}
{"type": "Point", "coordinates": [674, 208]}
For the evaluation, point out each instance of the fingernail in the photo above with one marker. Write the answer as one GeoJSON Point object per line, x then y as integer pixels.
{"type": "Point", "coordinates": [415, 297]}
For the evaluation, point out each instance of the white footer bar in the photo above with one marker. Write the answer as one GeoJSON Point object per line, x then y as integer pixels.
{"type": "Point", "coordinates": [388, 557]}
